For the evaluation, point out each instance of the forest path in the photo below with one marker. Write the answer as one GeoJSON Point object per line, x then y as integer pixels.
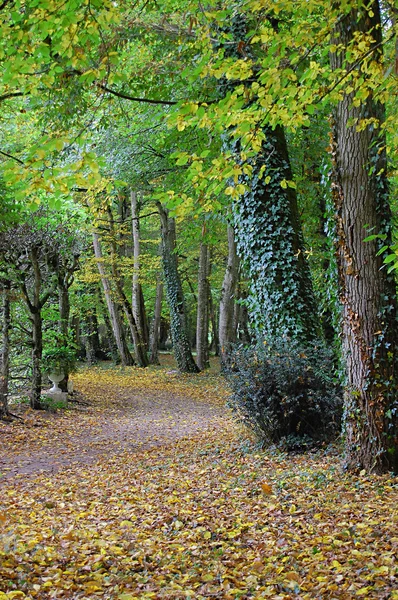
{"type": "Point", "coordinates": [151, 492]}
{"type": "Point", "coordinates": [127, 409]}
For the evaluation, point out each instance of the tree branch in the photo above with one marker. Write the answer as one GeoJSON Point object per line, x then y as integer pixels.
{"type": "Point", "coordinates": [128, 97]}
{"type": "Point", "coordinates": [11, 94]}
{"type": "Point", "coordinates": [13, 157]}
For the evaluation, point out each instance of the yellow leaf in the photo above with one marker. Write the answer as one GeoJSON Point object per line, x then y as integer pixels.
{"type": "Point", "coordinates": [292, 509]}
{"type": "Point", "coordinates": [266, 488]}
{"type": "Point", "coordinates": [126, 523]}
{"type": "Point", "coordinates": [362, 591]}
{"type": "Point", "coordinates": [292, 576]}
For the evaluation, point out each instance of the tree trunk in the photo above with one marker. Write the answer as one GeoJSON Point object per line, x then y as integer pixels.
{"type": "Point", "coordinates": [367, 291]}
{"type": "Point", "coordinates": [268, 232]}
{"type": "Point", "coordinates": [227, 332]}
{"type": "Point", "coordinates": [64, 313]}
{"type": "Point", "coordinates": [281, 300]}
{"type": "Point", "coordinates": [91, 341]}
{"type": "Point", "coordinates": [155, 329]}
{"type": "Point", "coordinates": [110, 338]}
{"type": "Point", "coordinates": [125, 356]}
{"type": "Point", "coordinates": [138, 303]}
{"type": "Point", "coordinates": [5, 350]}
{"type": "Point", "coordinates": [140, 348]}
{"type": "Point", "coordinates": [214, 344]}
{"type": "Point", "coordinates": [37, 334]}
{"type": "Point", "coordinates": [175, 296]}
{"type": "Point", "coordinates": [64, 310]}
{"type": "Point", "coordinates": [202, 321]}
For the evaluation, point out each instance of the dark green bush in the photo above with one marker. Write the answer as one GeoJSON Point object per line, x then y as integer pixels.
{"type": "Point", "coordinates": [285, 394]}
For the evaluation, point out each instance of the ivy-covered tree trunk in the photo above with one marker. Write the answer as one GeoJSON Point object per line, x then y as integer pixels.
{"type": "Point", "coordinates": [227, 332]}
{"type": "Point", "coordinates": [5, 348]}
{"type": "Point", "coordinates": [125, 356]}
{"type": "Point", "coordinates": [175, 296]}
{"type": "Point", "coordinates": [269, 239]}
{"type": "Point", "coordinates": [202, 321]}
{"type": "Point", "coordinates": [138, 303]}
{"type": "Point", "coordinates": [268, 231]}
{"type": "Point", "coordinates": [155, 327]}
{"type": "Point", "coordinates": [367, 291]}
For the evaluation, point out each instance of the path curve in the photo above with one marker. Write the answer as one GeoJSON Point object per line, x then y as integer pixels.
{"type": "Point", "coordinates": [133, 420]}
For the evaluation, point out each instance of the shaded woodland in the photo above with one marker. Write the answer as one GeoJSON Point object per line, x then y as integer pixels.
{"type": "Point", "coordinates": [213, 181]}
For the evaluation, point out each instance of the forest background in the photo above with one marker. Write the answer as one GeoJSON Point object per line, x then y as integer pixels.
{"type": "Point", "coordinates": [243, 158]}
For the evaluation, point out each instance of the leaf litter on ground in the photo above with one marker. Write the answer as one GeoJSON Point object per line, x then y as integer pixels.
{"type": "Point", "coordinates": [190, 513]}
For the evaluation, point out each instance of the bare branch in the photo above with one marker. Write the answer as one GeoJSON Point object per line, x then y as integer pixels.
{"type": "Point", "coordinates": [13, 157]}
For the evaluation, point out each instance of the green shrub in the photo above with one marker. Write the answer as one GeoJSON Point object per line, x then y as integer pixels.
{"type": "Point", "coordinates": [285, 394]}
{"type": "Point", "coordinates": [59, 358]}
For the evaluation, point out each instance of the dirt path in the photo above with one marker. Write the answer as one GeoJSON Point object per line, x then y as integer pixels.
{"type": "Point", "coordinates": [117, 418]}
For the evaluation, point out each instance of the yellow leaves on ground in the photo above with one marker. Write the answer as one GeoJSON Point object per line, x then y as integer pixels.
{"type": "Point", "coordinates": [266, 488]}
{"type": "Point", "coordinates": [195, 517]}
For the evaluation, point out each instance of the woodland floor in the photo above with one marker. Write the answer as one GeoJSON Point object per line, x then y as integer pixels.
{"type": "Point", "coordinates": [150, 490]}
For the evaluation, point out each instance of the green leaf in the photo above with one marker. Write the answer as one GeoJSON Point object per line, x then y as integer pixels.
{"type": "Point", "coordinates": [390, 258]}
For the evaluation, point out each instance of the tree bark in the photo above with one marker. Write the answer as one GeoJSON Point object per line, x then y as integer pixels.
{"type": "Point", "coordinates": [214, 344]}
{"type": "Point", "coordinates": [5, 349]}
{"type": "Point", "coordinates": [175, 296]}
{"type": "Point", "coordinates": [140, 348]}
{"type": "Point", "coordinates": [155, 329]}
{"type": "Point", "coordinates": [367, 291]}
{"type": "Point", "coordinates": [138, 303]}
{"type": "Point", "coordinates": [37, 333]}
{"type": "Point", "coordinates": [202, 320]}
{"type": "Point", "coordinates": [125, 356]}
{"type": "Point", "coordinates": [227, 332]}
{"type": "Point", "coordinates": [110, 338]}
{"type": "Point", "coordinates": [65, 280]}
{"type": "Point", "coordinates": [92, 343]}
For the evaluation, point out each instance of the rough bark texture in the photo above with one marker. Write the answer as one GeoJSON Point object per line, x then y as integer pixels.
{"type": "Point", "coordinates": [227, 332]}
{"type": "Point", "coordinates": [202, 320]}
{"type": "Point", "coordinates": [5, 349]}
{"type": "Point", "coordinates": [155, 328]}
{"type": "Point", "coordinates": [125, 356]}
{"type": "Point", "coordinates": [175, 296]}
{"type": "Point", "coordinates": [138, 303]}
{"type": "Point", "coordinates": [367, 291]}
